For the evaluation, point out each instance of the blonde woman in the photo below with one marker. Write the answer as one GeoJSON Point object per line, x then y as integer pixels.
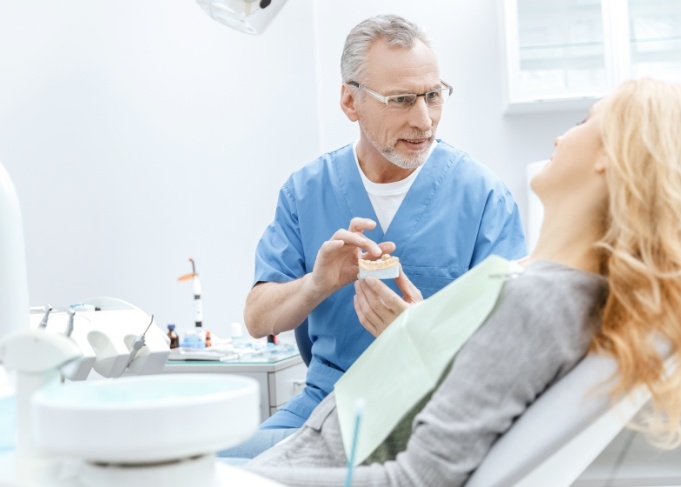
{"type": "Point", "coordinates": [605, 277]}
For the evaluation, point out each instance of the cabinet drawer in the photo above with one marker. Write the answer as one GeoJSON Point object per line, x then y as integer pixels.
{"type": "Point", "coordinates": [284, 384]}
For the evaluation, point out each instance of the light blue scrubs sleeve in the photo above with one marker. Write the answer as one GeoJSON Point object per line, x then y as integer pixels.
{"type": "Point", "coordinates": [501, 230]}
{"type": "Point", "coordinates": [279, 255]}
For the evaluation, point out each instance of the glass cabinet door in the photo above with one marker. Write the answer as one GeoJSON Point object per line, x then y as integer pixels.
{"type": "Point", "coordinates": [564, 54]}
{"type": "Point", "coordinates": [560, 48]}
{"type": "Point", "coordinates": [655, 39]}
{"type": "Point", "coordinates": [556, 53]}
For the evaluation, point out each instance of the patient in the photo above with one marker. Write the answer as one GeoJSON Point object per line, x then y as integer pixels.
{"type": "Point", "coordinates": [605, 278]}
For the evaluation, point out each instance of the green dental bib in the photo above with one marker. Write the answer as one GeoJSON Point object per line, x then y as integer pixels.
{"type": "Point", "coordinates": [403, 366]}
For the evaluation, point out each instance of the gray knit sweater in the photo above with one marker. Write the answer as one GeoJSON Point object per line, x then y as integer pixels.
{"type": "Point", "coordinates": [540, 328]}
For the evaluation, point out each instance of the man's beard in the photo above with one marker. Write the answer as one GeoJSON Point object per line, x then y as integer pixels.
{"type": "Point", "coordinates": [404, 161]}
{"type": "Point", "coordinates": [401, 160]}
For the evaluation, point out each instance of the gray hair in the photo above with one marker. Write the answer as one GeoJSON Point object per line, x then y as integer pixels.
{"type": "Point", "coordinates": [395, 30]}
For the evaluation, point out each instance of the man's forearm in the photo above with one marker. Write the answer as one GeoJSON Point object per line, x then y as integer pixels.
{"type": "Point", "coordinates": [275, 307]}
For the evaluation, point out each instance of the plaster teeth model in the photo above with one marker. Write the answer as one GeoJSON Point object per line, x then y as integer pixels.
{"type": "Point", "coordinates": [386, 267]}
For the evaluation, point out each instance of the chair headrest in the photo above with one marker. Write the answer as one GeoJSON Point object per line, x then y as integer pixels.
{"type": "Point", "coordinates": [559, 416]}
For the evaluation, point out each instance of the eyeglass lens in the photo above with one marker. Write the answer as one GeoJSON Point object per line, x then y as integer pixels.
{"type": "Point", "coordinates": [433, 98]}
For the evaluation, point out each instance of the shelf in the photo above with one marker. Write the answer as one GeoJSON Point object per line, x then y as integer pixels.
{"type": "Point", "coordinates": [668, 45]}
{"type": "Point", "coordinates": [543, 105]}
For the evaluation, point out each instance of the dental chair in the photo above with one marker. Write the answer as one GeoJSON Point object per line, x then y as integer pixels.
{"type": "Point", "coordinates": [303, 342]}
{"type": "Point", "coordinates": [563, 431]}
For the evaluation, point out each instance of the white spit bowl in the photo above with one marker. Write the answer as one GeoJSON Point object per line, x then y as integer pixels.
{"type": "Point", "coordinates": [145, 419]}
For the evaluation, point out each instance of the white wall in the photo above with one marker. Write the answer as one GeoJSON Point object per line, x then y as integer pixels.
{"type": "Point", "coordinates": [140, 134]}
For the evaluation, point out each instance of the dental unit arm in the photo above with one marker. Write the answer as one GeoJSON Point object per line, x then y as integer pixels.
{"type": "Point", "coordinates": [39, 355]}
{"type": "Point", "coordinates": [36, 356]}
{"type": "Point", "coordinates": [13, 279]}
{"type": "Point", "coordinates": [108, 430]}
{"type": "Point", "coordinates": [106, 345]}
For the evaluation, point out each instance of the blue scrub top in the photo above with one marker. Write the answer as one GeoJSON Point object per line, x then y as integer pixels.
{"type": "Point", "coordinates": [456, 213]}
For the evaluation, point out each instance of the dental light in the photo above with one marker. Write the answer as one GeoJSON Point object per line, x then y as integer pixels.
{"type": "Point", "coordinates": [250, 16]}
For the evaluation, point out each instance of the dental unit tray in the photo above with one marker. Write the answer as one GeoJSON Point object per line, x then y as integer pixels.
{"type": "Point", "coordinates": [106, 330]}
{"type": "Point", "coordinates": [250, 353]}
{"type": "Point", "coordinates": [202, 354]}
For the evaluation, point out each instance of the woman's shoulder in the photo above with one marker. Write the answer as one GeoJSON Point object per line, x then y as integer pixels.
{"type": "Point", "coordinates": [545, 279]}
{"type": "Point", "coordinates": [548, 294]}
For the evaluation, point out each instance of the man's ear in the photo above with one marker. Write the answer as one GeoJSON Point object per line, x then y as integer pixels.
{"type": "Point", "coordinates": [348, 102]}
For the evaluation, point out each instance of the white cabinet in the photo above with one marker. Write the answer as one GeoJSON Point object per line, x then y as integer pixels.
{"type": "Point", "coordinates": [564, 54]}
{"type": "Point", "coordinates": [279, 378]}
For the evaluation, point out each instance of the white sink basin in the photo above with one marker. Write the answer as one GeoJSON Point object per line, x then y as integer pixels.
{"type": "Point", "coordinates": [146, 419]}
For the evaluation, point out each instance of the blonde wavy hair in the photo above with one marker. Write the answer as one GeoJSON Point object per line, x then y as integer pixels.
{"type": "Point", "coordinates": [641, 132]}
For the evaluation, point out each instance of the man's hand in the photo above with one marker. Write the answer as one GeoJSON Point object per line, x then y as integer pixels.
{"type": "Point", "coordinates": [336, 264]}
{"type": "Point", "coordinates": [377, 305]}
{"type": "Point", "coordinates": [274, 307]}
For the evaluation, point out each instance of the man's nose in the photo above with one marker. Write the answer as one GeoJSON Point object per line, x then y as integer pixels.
{"type": "Point", "coordinates": [420, 116]}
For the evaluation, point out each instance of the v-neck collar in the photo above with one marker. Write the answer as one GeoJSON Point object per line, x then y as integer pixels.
{"type": "Point", "coordinates": [413, 207]}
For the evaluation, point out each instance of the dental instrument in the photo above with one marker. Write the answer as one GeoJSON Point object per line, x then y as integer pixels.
{"type": "Point", "coordinates": [138, 343]}
{"type": "Point", "coordinates": [69, 327]}
{"type": "Point", "coordinates": [46, 316]}
{"type": "Point", "coordinates": [359, 412]}
{"type": "Point", "coordinates": [198, 308]}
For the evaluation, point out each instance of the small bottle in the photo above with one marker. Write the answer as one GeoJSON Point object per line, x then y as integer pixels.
{"type": "Point", "coordinates": [237, 335]}
{"type": "Point", "coordinates": [193, 339]}
{"type": "Point", "coordinates": [209, 342]}
{"type": "Point", "coordinates": [200, 333]}
{"type": "Point", "coordinates": [174, 337]}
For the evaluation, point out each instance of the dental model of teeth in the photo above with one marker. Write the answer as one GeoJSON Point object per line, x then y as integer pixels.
{"type": "Point", "coordinates": [387, 267]}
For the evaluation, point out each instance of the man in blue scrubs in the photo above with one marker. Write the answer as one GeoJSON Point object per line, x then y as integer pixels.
{"type": "Point", "coordinates": [396, 190]}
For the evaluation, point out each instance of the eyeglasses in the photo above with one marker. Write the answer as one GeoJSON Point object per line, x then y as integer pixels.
{"type": "Point", "coordinates": [434, 98]}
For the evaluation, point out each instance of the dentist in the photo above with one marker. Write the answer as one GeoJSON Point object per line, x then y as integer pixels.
{"type": "Point", "coordinates": [397, 189]}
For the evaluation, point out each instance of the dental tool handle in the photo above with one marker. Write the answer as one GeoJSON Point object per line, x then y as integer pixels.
{"type": "Point", "coordinates": [359, 412]}
{"type": "Point", "coordinates": [137, 344]}
{"type": "Point", "coordinates": [43, 322]}
{"type": "Point", "coordinates": [69, 327]}
{"type": "Point", "coordinates": [198, 307]}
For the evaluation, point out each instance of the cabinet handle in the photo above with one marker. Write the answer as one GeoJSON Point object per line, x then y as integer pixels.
{"type": "Point", "coordinates": [298, 386]}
